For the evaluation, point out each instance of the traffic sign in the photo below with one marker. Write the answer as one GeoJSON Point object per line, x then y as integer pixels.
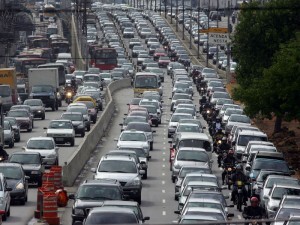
{"type": "Point", "coordinates": [214, 30]}
{"type": "Point", "coordinates": [204, 31]}
{"type": "Point", "coordinates": [218, 38]}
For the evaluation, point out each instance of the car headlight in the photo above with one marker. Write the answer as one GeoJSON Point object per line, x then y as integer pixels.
{"type": "Point", "coordinates": [20, 186]}
{"type": "Point", "coordinates": [177, 166]}
{"type": "Point", "coordinates": [80, 125]}
{"type": "Point", "coordinates": [39, 111]}
{"type": "Point", "coordinates": [79, 212]}
{"type": "Point", "coordinates": [136, 182]}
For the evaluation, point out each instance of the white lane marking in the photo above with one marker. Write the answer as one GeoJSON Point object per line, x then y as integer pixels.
{"type": "Point", "coordinates": [165, 130]}
{"type": "Point", "coordinates": [239, 217]}
{"type": "Point", "coordinates": [163, 182]}
{"type": "Point", "coordinates": [163, 191]}
{"type": "Point", "coordinates": [164, 153]}
{"type": "Point", "coordinates": [164, 143]}
{"type": "Point", "coordinates": [163, 174]}
{"type": "Point", "coordinates": [221, 168]}
{"type": "Point", "coordinates": [164, 147]}
{"type": "Point", "coordinates": [164, 201]}
{"type": "Point", "coordinates": [163, 213]}
{"type": "Point", "coordinates": [164, 165]}
{"type": "Point", "coordinates": [164, 159]}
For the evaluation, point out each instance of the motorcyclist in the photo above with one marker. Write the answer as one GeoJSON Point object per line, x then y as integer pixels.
{"type": "Point", "coordinates": [254, 211]}
{"type": "Point", "coordinates": [224, 147]}
{"type": "Point", "coordinates": [219, 134]}
{"type": "Point", "coordinates": [202, 102]}
{"type": "Point", "coordinates": [228, 161]}
{"type": "Point", "coordinates": [237, 177]}
{"type": "Point", "coordinates": [3, 153]}
{"type": "Point", "coordinates": [73, 83]}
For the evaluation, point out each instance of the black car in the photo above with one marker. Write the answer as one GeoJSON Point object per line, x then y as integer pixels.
{"type": "Point", "coordinates": [93, 193]}
{"type": "Point", "coordinates": [77, 121]}
{"type": "Point", "coordinates": [37, 107]}
{"type": "Point", "coordinates": [32, 164]}
{"type": "Point", "coordinates": [16, 180]}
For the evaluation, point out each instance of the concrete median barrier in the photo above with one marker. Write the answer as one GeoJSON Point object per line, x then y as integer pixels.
{"type": "Point", "coordinates": [74, 165]}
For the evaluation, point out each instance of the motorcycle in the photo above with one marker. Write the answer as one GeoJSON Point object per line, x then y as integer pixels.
{"type": "Point", "coordinates": [253, 220]}
{"type": "Point", "coordinates": [3, 158]}
{"type": "Point", "coordinates": [229, 172]}
{"type": "Point", "coordinates": [239, 196]}
{"type": "Point", "coordinates": [69, 96]}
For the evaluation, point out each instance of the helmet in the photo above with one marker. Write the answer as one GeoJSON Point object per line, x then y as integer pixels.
{"type": "Point", "coordinates": [254, 201]}
{"type": "Point", "coordinates": [239, 168]}
{"type": "Point", "coordinates": [224, 139]}
{"type": "Point", "coordinates": [204, 97]}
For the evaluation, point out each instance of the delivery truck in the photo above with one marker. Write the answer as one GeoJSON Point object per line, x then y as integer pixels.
{"type": "Point", "coordinates": [8, 88]}
{"type": "Point", "coordinates": [44, 85]}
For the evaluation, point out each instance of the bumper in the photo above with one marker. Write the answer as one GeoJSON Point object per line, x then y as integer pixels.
{"type": "Point", "coordinates": [79, 130]}
{"type": "Point", "coordinates": [171, 131]}
{"type": "Point", "coordinates": [38, 114]}
{"type": "Point", "coordinates": [77, 217]}
{"type": "Point", "coordinates": [49, 161]}
{"type": "Point", "coordinates": [132, 192]}
{"type": "Point", "coordinates": [7, 141]}
{"type": "Point", "coordinates": [18, 194]}
{"type": "Point", "coordinates": [25, 125]}
{"type": "Point", "coordinates": [63, 140]}
{"type": "Point", "coordinates": [33, 178]}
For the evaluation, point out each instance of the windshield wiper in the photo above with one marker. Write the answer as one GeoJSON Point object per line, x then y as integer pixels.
{"type": "Point", "coordinates": [118, 171]}
{"type": "Point", "coordinates": [85, 197]}
{"type": "Point", "coordinates": [12, 178]}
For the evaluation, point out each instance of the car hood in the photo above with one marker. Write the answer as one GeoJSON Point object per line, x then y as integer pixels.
{"type": "Point", "coordinates": [88, 203]}
{"type": "Point", "coordinates": [122, 177]}
{"type": "Point", "coordinates": [41, 94]}
{"type": "Point", "coordinates": [30, 167]}
{"type": "Point", "coordinates": [11, 183]}
{"type": "Point", "coordinates": [190, 163]}
{"type": "Point", "coordinates": [230, 123]}
{"type": "Point", "coordinates": [43, 152]}
{"type": "Point", "coordinates": [35, 108]}
{"type": "Point", "coordinates": [59, 131]}
{"type": "Point", "coordinates": [173, 124]}
{"type": "Point", "coordinates": [240, 148]}
{"type": "Point", "coordinates": [22, 118]}
{"type": "Point", "coordinates": [131, 144]}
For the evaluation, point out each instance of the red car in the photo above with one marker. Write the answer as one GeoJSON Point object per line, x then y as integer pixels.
{"type": "Point", "coordinates": [158, 53]}
{"type": "Point", "coordinates": [163, 61]}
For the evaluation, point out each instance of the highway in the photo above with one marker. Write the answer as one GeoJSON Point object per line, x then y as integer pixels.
{"type": "Point", "coordinates": [158, 190]}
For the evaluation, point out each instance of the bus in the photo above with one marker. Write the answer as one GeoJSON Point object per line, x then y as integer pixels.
{"type": "Point", "coordinates": [31, 38]}
{"type": "Point", "coordinates": [45, 53]}
{"type": "Point", "coordinates": [145, 81]}
{"type": "Point", "coordinates": [52, 29]}
{"type": "Point", "coordinates": [23, 64]}
{"type": "Point", "coordinates": [104, 58]}
{"type": "Point", "coordinates": [60, 46]}
{"type": "Point", "coordinates": [49, 11]}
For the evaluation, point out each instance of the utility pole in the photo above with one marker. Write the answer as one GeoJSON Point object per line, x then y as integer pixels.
{"type": "Point", "coordinates": [228, 46]}
{"type": "Point", "coordinates": [160, 7]}
{"type": "Point", "coordinates": [166, 9]}
{"type": "Point", "coordinates": [198, 23]}
{"type": "Point", "coordinates": [171, 11]}
{"type": "Point", "coordinates": [177, 15]}
{"type": "Point", "coordinates": [191, 16]}
{"type": "Point", "coordinates": [207, 45]}
{"type": "Point", "coordinates": [183, 20]}
{"type": "Point", "coordinates": [84, 31]}
{"type": "Point", "coordinates": [155, 6]}
{"type": "Point", "coordinates": [217, 57]}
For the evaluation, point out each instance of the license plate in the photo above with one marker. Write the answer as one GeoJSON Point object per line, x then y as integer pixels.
{"type": "Point", "coordinates": [59, 139]}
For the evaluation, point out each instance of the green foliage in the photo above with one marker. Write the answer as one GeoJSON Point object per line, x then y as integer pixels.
{"type": "Point", "coordinates": [262, 28]}
{"type": "Point", "coordinates": [277, 92]}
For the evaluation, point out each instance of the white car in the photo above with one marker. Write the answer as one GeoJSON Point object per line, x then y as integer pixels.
{"type": "Point", "coordinates": [61, 131]}
{"type": "Point", "coordinates": [5, 197]}
{"type": "Point", "coordinates": [46, 147]}
{"type": "Point", "coordinates": [134, 139]}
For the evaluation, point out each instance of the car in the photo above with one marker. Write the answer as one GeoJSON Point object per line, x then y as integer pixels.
{"type": "Point", "coordinates": [80, 107]}
{"type": "Point", "coordinates": [23, 118]}
{"type": "Point", "coordinates": [15, 126]}
{"type": "Point", "coordinates": [228, 112]}
{"type": "Point", "coordinates": [174, 122]}
{"type": "Point", "coordinates": [92, 110]}
{"type": "Point", "coordinates": [134, 138]}
{"type": "Point", "coordinates": [189, 156]}
{"type": "Point", "coordinates": [106, 78]}
{"type": "Point", "coordinates": [236, 119]}
{"type": "Point", "coordinates": [62, 131]}
{"type": "Point", "coordinates": [127, 204]}
{"type": "Point", "coordinates": [92, 193]}
{"type": "Point", "coordinates": [37, 107]}
{"type": "Point", "coordinates": [96, 95]}
{"type": "Point", "coordinates": [272, 201]}
{"type": "Point", "coordinates": [133, 42]}
{"type": "Point", "coordinates": [77, 121]}
{"type": "Point", "coordinates": [9, 134]}
{"type": "Point", "coordinates": [216, 95]}
{"type": "Point", "coordinates": [128, 33]}
{"type": "Point", "coordinates": [125, 170]}
{"type": "Point", "coordinates": [145, 127]}
{"type": "Point", "coordinates": [163, 61]}
{"type": "Point", "coordinates": [190, 111]}
{"type": "Point", "coordinates": [16, 180]}
{"type": "Point", "coordinates": [285, 213]}
{"type": "Point", "coordinates": [46, 147]}
{"type": "Point", "coordinates": [32, 164]}
{"type": "Point", "coordinates": [6, 199]}
{"type": "Point", "coordinates": [109, 215]}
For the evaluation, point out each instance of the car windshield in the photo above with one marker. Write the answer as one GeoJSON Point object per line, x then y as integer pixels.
{"type": "Point", "coordinates": [192, 156]}
{"type": "Point", "coordinates": [42, 89]}
{"type": "Point", "coordinates": [91, 84]}
{"type": "Point", "coordinates": [176, 117]}
{"type": "Point", "coordinates": [195, 143]}
{"type": "Point", "coordinates": [205, 205]}
{"type": "Point", "coordinates": [189, 188]}
{"type": "Point", "coordinates": [182, 85]}
{"type": "Point", "coordinates": [222, 101]}
{"type": "Point", "coordinates": [285, 213]}
{"type": "Point", "coordinates": [25, 159]}
{"type": "Point", "coordinates": [280, 191]}
{"type": "Point", "coordinates": [244, 139]}
{"type": "Point", "coordinates": [20, 113]}
{"type": "Point", "coordinates": [186, 110]}
{"type": "Point", "coordinates": [175, 97]}
{"type": "Point", "coordinates": [105, 75]}
{"type": "Point", "coordinates": [239, 118]}
{"type": "Point", "coordinates": [150, 109]}
{"type": "Point", "coordinates": [133, 137]}
{"type": "Point", "coordinates": [33, 102]}
{"type": "Point", "coordinates": [262, 176]}
{"type": "Point", "coordinates": [117, 166]}
{"type": "Point", "coordinates": [11, 172]}
{"type": "Point", "coordinates": [6, 125]}
{"type": "Point", "coordinates": [221, 95]}
{"type": "Point", "coordinates": [270, 164]}
{"type": "Point", "coordinates": [139, 126]}
{"type": "Point", "coordinates": [198, 178]}
{"type": "Point", "coordinates": [60, 125]}
{"type": "Point", "coordinates": [132, 207]}
{"type": "Point", "coordinates": [40, 144]}
{"type": "Point", "coordinates": [271, 181]}
{"type": "Point", "coordinates": [111, 218]}
{"type": "Point", "coordinates": [229, 111]}
{"type": "Point", "coordinates": [72, 117]}
{"type": "Point", "coordinates": [188, 128]}
{"type": "Point", "coordinates": [185, 170]}
{"type": "Point", "coordinates": [98, 192]}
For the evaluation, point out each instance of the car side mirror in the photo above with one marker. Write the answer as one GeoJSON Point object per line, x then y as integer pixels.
{"type": "Point", "coordinates": [121, 124]}
{"type": "Point", "coordinates": [266, 197]}
{"type": "Point", "coordinates": [115, 139]}
{"type": "Point", "coordinates": [146, 218]}
{"type": "Point", "coordinates": [244, 161]}
{"type": "Point", "coordinates": [177, 211]}
{"type": "Point", "coordinates": [170, 142]}
{"type": "Point", "coordinates": [226, 196]}
{"type": "Point", "coordinates": [56, 148]}
{"type": "Point", "coordinates": [71, 196]}
{"type": "Point", "coordinates": [23, 148]}
{"type": "Point", "coordinates": [93, 170]}
{"type": "Point", "coordinates": [148, 157]}
{"type": "Point", "coordinates": [203, 127]}
{"type": "Point", "coordinates": [45, 128]}
{"type": "Point", "coordinates": [142, 172]}
{"type": "Point", "coordinates": [78, 223]}
{"type": "Point", "coordinates": [230, 206]}
{"type": "Point", "coordinates": [292, 172]}
{"type": "Point", "coordinates": [154, 131]}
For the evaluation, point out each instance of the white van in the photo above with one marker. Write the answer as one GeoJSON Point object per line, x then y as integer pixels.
{"type": "Point", "coordinates": [244, 137]}
{"type": "Point", "coordinates": [65, 56]}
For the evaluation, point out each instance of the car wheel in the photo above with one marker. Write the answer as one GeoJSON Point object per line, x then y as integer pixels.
{"type": "Point", "coordinates": [145, 176]}
{"type": "Point", "coordinates": [82, 134]}
{"type": "Point", "coordinates": [40, 182]}
{"type": "Point", "coordinates": [22, 202]}
{"type": "Point", "coordinates": [43, 117]}
{"type": "Point", "coordinates": [11, 144]}
{"type": "Point", "coordinates": [72, 142]}
{"type": "Point", "coordinates": [169, 135]}
{"type": "Point", "coordinates": [29, 130]}
{"type": "Point", "coordinates": [18, 139]}
{"type": "Point", "coordinates": [139, 199]}
{"type": "Point", "coordinates": [32, 124]}
{"type": "Point", "coordinates": [95, 120]}
{"type": "Point", "coordinates": [53, 107]}
{"type": "Point", "coordinates": [26, 198]}
{"type": "Point", "coordinates": [88, 128]}
{"type": "Point", "coordinates": [56, 106]}
{"type": "Point", "coordinates": [173, 179]}
{"type": "Point", "coordinates": [100, 108]}
{"type": "Point", "coordinates": [151, 145]}
{"type": "Point", "coordinates": [60, 104]}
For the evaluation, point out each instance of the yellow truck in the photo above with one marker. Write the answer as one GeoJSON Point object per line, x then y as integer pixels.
{"type": "Point", "coordinates": [8, 88]}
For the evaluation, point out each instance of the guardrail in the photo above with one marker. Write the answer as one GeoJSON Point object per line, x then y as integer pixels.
{"type": "Point", "coordinates": [74, 165]}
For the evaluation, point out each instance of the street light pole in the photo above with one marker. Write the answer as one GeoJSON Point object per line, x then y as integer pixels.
{"type": "Point", "coordinates": [207, 45]}
{"type": "Point", "coordinates": [171, 11]}
{"type": "Point", "coordinates": [228, 46]}
{"type": "Point", "coordinates": [183, 20]}
{"type": "Point", "coordinates": [198, 23]}
{"type": "Point", "coordinates": [177, 15]}
{"type": "Point", "coordinates": [160, 7]}
{"type": "Point", "coordinates": [191, 26]}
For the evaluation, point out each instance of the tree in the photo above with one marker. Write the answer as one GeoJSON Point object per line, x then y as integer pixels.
{"type": "Point", "coordinates": [277, 92]}
{"type": "Point", "coordinates": [259, 33]}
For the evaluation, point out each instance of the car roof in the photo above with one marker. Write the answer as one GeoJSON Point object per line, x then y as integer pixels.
{"type": "Point", "coordinates": [117, 157]}
{"type": "Point", "coordinates": [132, 131]}
{"type": "Point", "coordinates": [272, 155]}
{"type": "Point", "coordinates": [286, 186]}
{"type": "Point", "coordinates": [101, 182]}
{"type": "Point", "coordinates": [252, 132]}
{"type": "Point", "coordinates": [4, 164]}
{"type": "Point", "coordinates": [204, 209]}
{"type": "Point", "coordinates": [204, 199]}
{"type": "Point", "coordinates": [25, 153]}
{"type": "Point", "coordinates": [111, 209]}
{"type": "Point", "coordinates": [191, 149]}
{"type": "Point", "coordinates": [41, 138]}
{"type": "Point", "coordinates": [195, 174]}
{"type": "Point", "coordinates": [202, 183]}
{"type": "Point", "coordinates": [199, 217]}
{"type": "Point", "coordinates": [191, 135]}
{"type": "Point", "coordinates": [121, 203]}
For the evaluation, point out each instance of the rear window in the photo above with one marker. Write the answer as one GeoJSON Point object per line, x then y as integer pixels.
{"type": "Point", "coordinates": [244, 139]}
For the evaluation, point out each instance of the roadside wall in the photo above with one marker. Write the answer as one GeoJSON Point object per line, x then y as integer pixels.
{"type": "Point", "coordinates": [90, 141]}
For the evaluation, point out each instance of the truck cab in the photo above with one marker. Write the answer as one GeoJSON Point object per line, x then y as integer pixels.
{"type": "Point", "coordinates": [47, 94]}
